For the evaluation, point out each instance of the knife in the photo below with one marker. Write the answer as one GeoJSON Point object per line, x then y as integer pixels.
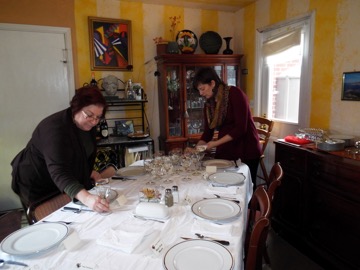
{"type": "Point", "coordinates": [78, 210]}
{"type": "Point", "coordinates": [12, 262]}
{"type": "Point", "coordinates": [223, 242]}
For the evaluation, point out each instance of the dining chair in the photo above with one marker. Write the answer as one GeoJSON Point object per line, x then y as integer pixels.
{"type": "Point", "coordinates": [9, 223]}
{"type": "Point", "coordinates": [45, 206]}
{"type": "Point", "coordinates": [275, 176]}
{"type": "Point", "coordinates": [264, 127]}
{"type": "Point", "coordinates": [257, 228]}
{"type": "Point", "coordinates": [257, 243]}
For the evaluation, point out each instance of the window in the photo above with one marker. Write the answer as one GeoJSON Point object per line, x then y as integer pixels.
{"type": "Point", "coordinates": [284, 65]}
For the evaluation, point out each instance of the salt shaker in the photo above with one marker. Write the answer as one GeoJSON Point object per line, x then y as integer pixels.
{"type": "Point", "coordinates": [169, 199]}
{"type": "Point", "coordinates": [175, 193]}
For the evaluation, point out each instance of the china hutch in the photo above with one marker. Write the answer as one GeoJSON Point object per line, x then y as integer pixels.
{"type": "Point", "coordinates": [181, 106]}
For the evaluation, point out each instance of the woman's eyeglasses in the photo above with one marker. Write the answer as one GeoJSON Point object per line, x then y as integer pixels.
{"type": "Point", "coordinates": [91, 117]}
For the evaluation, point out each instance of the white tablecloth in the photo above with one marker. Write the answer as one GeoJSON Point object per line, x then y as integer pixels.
{"type": "Point", "coordinates": [87, 227]}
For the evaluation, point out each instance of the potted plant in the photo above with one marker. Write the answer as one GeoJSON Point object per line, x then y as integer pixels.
{"type": "Point", "coordinates": [172, 46]}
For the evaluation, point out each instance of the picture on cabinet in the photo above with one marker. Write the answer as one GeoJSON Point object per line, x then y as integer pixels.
{"type": "Point", "coordinates": [351, 86]}
{"type": "Point", "coordinates": [110, 44]}
{"type": "Point", "coordinates": [123, 127]}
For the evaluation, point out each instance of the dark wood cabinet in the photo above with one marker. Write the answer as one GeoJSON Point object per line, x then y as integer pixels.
{"type": "Point", "coordinates": [181, 106]}
{"type": "Point", "coordinates": [317, 206]}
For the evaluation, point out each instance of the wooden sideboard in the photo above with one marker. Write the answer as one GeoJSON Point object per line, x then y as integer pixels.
{"type": "Point", "coordinates": [317, 207]}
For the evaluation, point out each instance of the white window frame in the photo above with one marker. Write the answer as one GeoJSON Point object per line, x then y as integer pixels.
{"type": "Point", "coordinates": [260, 97]}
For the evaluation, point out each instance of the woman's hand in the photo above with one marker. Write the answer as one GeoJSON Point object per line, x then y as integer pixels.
{"type": "Point", "coordinates": [95, 175]}
{"type": "Point", "coordinates": [92, 201]}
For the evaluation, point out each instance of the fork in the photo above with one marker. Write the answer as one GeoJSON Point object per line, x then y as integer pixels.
{"type": "Point", "coordinates": [65, 222]}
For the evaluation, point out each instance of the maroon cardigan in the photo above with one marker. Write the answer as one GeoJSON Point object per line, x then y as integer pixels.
{"type": "Point", "coordinates": [240, 126]}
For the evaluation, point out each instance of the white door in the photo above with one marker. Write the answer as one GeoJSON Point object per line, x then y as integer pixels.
{"type": "Point", "coordinates": [36, 80]}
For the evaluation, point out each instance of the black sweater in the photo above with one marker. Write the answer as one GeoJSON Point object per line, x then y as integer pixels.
{"type": "Point", "coordinates": [54, 158]}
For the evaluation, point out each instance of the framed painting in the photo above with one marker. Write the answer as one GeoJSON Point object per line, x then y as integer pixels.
{"type": "Point", "coordinates": [351, 86]}
{"type": "Point", "coordinates": [110, 44]}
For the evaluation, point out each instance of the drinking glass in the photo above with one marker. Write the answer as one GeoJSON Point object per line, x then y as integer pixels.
{"type": "Point", "coordinates": [186, 163]}
{"type": "Point", "coordinates": [104, 192]}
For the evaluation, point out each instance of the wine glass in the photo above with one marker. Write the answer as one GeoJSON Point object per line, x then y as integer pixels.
{"type": "Point", "coordinates": [104, 192]}
{"type": "Point", "coordinates": [168, 167]}
{"type": "Point", "coordinates": [148, 167]}
{"type": "Point", "coordinates": [186, 163]}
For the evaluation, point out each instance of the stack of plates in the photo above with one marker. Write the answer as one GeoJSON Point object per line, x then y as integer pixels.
{"type": "Point", "coordinates": [219, 163]}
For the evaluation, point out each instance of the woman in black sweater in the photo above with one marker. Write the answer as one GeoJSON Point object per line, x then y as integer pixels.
{"type": "Point", "coordinates": [61, 153]}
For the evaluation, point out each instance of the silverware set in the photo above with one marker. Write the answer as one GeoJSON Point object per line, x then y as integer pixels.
{"type": "Point", "coordinates": [200, 236]}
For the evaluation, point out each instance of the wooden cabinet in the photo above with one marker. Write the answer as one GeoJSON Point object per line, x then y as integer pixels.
{"type": "Point", "coordinates": [181, 106]}
{"type": "Point", "coordinates": [317, 206]}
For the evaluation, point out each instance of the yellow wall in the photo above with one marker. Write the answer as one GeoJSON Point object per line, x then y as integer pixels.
{"type": "Point", "coordinates": [336, 42]}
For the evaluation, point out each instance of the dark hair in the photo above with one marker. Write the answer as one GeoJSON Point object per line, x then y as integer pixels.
{"type": "Point", "coordinates": [85, 96]}
{"type": "Point", "coordinates": [205, 76]}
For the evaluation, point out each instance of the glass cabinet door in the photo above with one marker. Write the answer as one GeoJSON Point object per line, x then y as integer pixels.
{"type": "Point", "coordinates": [232, 75]}
{"type": "Point", "coordinates": [195, 102]}
{"type": "Point", "coordinates": [174, 100]}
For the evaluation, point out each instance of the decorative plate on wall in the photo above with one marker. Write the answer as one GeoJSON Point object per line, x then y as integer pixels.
{"type": "Point", "coordinates": [187, 41]}
{"type": "Point", "coordinates": [210, 42]}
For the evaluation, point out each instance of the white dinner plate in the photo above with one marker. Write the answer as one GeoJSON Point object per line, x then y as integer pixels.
{"type": "Point", "coordinates": [219, 163]}
{"type": "Point", "coordinates": [198, 254]}
{"type": "Point", "coordinates": [131, 171]}
{"type": "Point", "coordinates": [34, 239]}
{"type": "Point", "coordinates": [218, 210]}
{"type": "Point", "coordinates": [222, 179]}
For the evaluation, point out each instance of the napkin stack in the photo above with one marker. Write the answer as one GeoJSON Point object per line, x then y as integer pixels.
{"type": "Point", "coordinates": [126, 238]}
{"type": "Point", "coordinates": [232, 190]}
{"type": "Point", "coordinates": [208, 228]}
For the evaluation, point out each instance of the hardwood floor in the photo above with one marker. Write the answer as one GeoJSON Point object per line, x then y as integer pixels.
{"type": "Point", "coordinates": [283, 256]}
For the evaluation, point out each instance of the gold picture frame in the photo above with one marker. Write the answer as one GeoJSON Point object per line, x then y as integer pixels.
{"type": "Point", "coordinates": [110, 44]}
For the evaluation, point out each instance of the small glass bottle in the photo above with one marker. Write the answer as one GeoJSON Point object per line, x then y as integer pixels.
{"type": "Point", "coordinates": [93, 82]}
{"type": "Point", "coordinates": [169, 200]}
{"type": "Point", "coordinates": [175, 193]}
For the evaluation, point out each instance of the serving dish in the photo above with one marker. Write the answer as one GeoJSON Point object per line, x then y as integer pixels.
{"type": "Point", "coordinates": [138, 135]}
{"type": "Point", "coordinates": [219, 163]}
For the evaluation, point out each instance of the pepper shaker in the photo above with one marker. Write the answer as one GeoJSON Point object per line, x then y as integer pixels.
{"type": "Point", "coordinates": [169, 199]}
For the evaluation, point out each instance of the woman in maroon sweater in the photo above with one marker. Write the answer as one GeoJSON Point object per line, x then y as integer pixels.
{"type": "Point", "coordinates": [227, 111]}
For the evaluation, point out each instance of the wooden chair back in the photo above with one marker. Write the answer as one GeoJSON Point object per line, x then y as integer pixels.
{"type": "Point", "coordinates": [44, 207]}
{"type": "Point", "coordinates": [275, 177]}
{"type": "Point", "coordinates": [9, 223]}
{"type": "Point", "coordinates": [257, 244]}
{"type": "Point", "coordinates": [256, 230]}
{"type": "Point", "coordinates": [264, 127]}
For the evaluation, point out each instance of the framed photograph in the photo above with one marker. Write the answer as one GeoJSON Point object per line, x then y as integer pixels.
{"type": "Point", "coordinates": [110, 44]}
{"type": "Point", "coordinates": [124, 127]}
{"type": "Point", "coordinates": [351, 86]}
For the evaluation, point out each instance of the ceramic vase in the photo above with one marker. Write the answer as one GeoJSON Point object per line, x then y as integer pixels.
{"type": "Point", "coordinates": [172, 47]}
{"type": "Point", "coordinates": [227, 50]}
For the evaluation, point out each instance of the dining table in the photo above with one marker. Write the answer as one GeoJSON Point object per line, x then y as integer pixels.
{"type": "Point", "coordinates": [124, 240]}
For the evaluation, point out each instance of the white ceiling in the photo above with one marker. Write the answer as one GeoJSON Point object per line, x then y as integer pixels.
{"type": "Point", "coordinates": [222, 5]}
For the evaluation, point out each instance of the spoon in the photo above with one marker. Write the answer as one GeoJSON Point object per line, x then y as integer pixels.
{"type": "Point", "coordinates": [2, 263]}
{"type": "Point", "coordinates": [223, 242]}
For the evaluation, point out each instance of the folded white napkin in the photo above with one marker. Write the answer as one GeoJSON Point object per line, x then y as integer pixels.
{"type": "Point", "coordinates": [126, 238]}
{"type": "Point", "coordinates": [224, 190]}
{"type": "Point", "coordinates": [208, 228]}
